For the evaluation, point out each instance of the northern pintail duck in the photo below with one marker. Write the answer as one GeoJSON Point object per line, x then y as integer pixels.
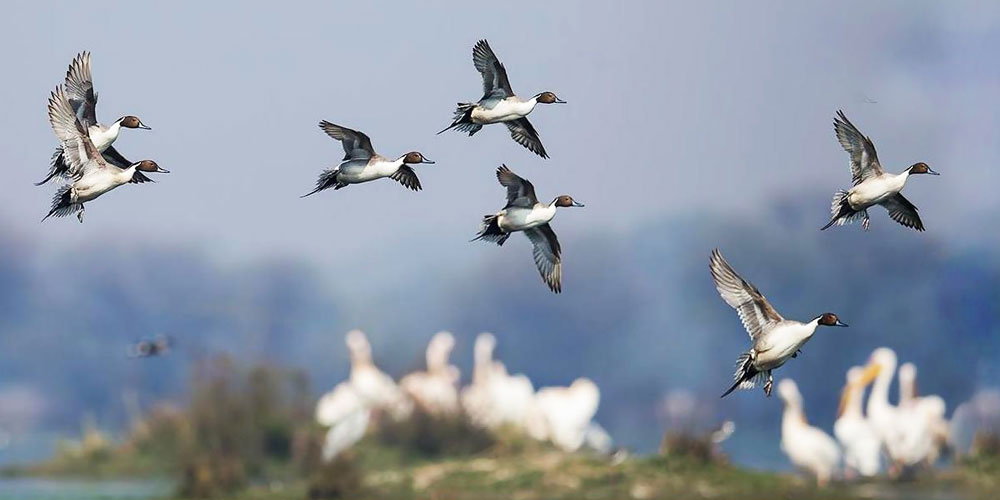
{"type": "Point", "coordinates": [872, 185]}
{"type": "Point", "coordinates": [83, 98]}
{"type": "Point", "coordinates": [499, 104]}
{"type": "Point", "coordinates": [526, 214]}
{"type": "Point", "coordinates": [775, 339]}
{"type": "Point", "coordinates": [92, 175]}
{"type": "Point", "coordinates": [362, 164]}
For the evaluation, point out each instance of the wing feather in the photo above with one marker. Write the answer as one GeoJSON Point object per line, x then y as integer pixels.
{"type": "Point", "coordinates": [756, 313]}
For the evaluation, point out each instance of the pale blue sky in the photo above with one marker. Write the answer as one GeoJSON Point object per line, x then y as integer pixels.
{"type": "Point", "coordinates": [674, 107]}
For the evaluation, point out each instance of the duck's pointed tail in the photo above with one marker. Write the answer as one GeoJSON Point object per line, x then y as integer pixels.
{"type": "Point", "coordinates": [490, 230]}
{"type": "Point", "coordinates": [840, 211]}
{"type": "Point", "coordinates": [462, 120]}
{"type": "Point", "coordinates": [326, 180]}
{"type": "Point", "coordinates": [745, 374]}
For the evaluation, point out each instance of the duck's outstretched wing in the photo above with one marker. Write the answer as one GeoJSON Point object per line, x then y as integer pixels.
{"type": "Point", "coordinates": [755, 311]}
{"type": "Point", "coordinates": [78, 151]}
{"type": "Point", "coordinates": [495, 82]}
{"type": "Point", "coordinates": [357, 145]}
{"type": "Point", "coordinates": [864, 159]}
{"type": "Point", "coordinates": [525, 134]}
{"type": "Point", "coordinates": [80, 90]}
{"type": "Point", "coordinates": [407, 177]}
{"type": "Point", "coordinates": [902, 211]}
{"type": "Point", "coordinates": [547, 254]}
{"type": "Point", "coordinates": [520, 192]}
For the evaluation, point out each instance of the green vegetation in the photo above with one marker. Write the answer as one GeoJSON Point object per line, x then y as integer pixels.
{"type": "Point", "coordinates": [248, 433]}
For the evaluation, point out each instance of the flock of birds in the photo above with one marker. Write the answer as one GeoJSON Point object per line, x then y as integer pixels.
{"type": "Point", "coordinates": [562, 416]}
{"type": "Point", "coordinates": [907, 436]}
{"type": "Point", "coordinates": [90, 166]}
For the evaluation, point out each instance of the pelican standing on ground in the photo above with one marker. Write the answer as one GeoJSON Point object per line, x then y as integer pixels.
{"type": "Point", "coordinates": [861, 443]}
{"type": "Point", "coordinates": [932, 408]}
{"type": "Point", "coordinates": [436, 390]}
{"type": "Point", "coordinates": [903, 431]}
{"type": "Point", "coordinates": [495, 398]}
{"type": "Point", "coordinates": [807, 447]}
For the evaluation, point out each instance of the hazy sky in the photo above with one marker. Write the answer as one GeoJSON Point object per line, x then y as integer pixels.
{"type": "Point", "coordinates": [673, 107]}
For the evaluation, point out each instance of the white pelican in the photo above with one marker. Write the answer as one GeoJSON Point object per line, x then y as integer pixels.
{"type": "Point", "coordinates": [347, 416]}
{"type": "Point", "coordinates": [377, 389]}
{"type": "Point", "coordinates": [861, 443]}
{"type": "Point", "coordinates": [933, 408]}
{"type": "Point", "coordinates": [564, 414]}
{"type": "Point", "coordinates": [807, 447]}
{"type": "Point", "coordinates": [495, 397]}
{"type": "Point", "coordinates": [435, 390]}
{"type": "Point", "coordinates": [904, 431]}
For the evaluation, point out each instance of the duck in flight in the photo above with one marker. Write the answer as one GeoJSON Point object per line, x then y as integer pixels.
{"type": "Point", "coordinates": [774, 338]}
{"type": "Point", "coordinates": [872, 185]}
{"type": "Point", "coordinates": [91, 174]}
{"type": "Point", "coordinates": [499, 104]}
{"type": "Point", "coordinates": [525, 213]}
{"type": "Point", "coordinates": [362, 164]}
{"type": "Point", "coordinates": [83, 99]}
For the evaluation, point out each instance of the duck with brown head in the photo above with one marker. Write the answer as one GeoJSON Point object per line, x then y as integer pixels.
{"type": "Point", "coordinates": [774, 339]}
{"type": "Point", "coordinates": [500, 104]}
{"type": "Point", "coordinates": [92, 174]}
{"type": "Point", "coordinates": [526, 214]}
{"type": "Point", "coordinates": [362, 164]}
{"type": "Point", "coordinates": [79, 89]}
{"type": "Point", "coordinates": [872, 185]}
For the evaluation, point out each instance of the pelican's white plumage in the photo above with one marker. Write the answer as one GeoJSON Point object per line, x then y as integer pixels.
{"type": "Point", "coordinates": [435, 390]}
{"type": "Point", "coordinates": [861, 443]}
{"type": "Point", "coordinates": [348, 408]}
{"type": "Point", "coordinates": [564, 414]}
{"type": "Point", "coordinates": [495, 397]}
{"type": "Point", "coordinates": [903, 431]}
{"type": "Point", "coordinates": [932, 408]}
{"type": "Point", "coordinates": [807, 447]}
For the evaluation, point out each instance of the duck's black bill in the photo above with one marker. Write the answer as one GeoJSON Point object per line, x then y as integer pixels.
{"type": "Point", "coordinates": [427, 161]}
{"type": "Point", "coordinates": [931, 172]}
{"type": "Point", "coordinates": [840, 323]}
{"type": "Point", "coordinates": [578, 204]}
{"type": "Point", "coordinates": [162, 170]}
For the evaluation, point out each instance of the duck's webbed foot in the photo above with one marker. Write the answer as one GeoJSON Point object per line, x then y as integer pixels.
{"type": "Point", "coordinates": [768, 384]}
{"type": "Point", "coordinates": [79, 214]}
{"type": "Point", "coordinates": [796, 353]}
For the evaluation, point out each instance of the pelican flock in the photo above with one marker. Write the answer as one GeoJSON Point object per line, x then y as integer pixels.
{"type": "Point", "coordinates": [562, 416]}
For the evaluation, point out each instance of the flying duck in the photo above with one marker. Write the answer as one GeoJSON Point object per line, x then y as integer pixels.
{"type": "Point", "coordinates": [83, 99]}
{"type": "Point", "coordinates": [525, 213]}
{"type": "Point", "coordinates": [872, 185]}
{"type": "Point", "coordinates": [362, 164]}
{"type": "Point", "coordinates": [775, 339]}
{"type": "Point", "coordinates": [499, 104]}
{"type": "Point", "coordinates": [92, 175]}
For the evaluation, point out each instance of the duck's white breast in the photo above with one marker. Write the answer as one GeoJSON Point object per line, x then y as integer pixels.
{"type": "Point", "coordinates": [505, 110]}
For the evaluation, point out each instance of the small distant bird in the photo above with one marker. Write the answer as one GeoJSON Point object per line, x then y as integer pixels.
{"type": "Point", "coordinates": [362, 164]}
{"type": "Point", "coordinates": [872, 185]}
{"type": "Point", "coordinates": [92, 175]}
{"type": "Point", "coordinates": [148, 348]}
{"type": "Point", "coordinates": [525, 213]}
{"type": "Point", "coordinates": [499, 104]}
{"type": "Point", "coordinates": [807, 447]}
{"type": "Point", "coordinates": [83, 99]}
{"type": "Point", "coordinates": [775, 339]}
